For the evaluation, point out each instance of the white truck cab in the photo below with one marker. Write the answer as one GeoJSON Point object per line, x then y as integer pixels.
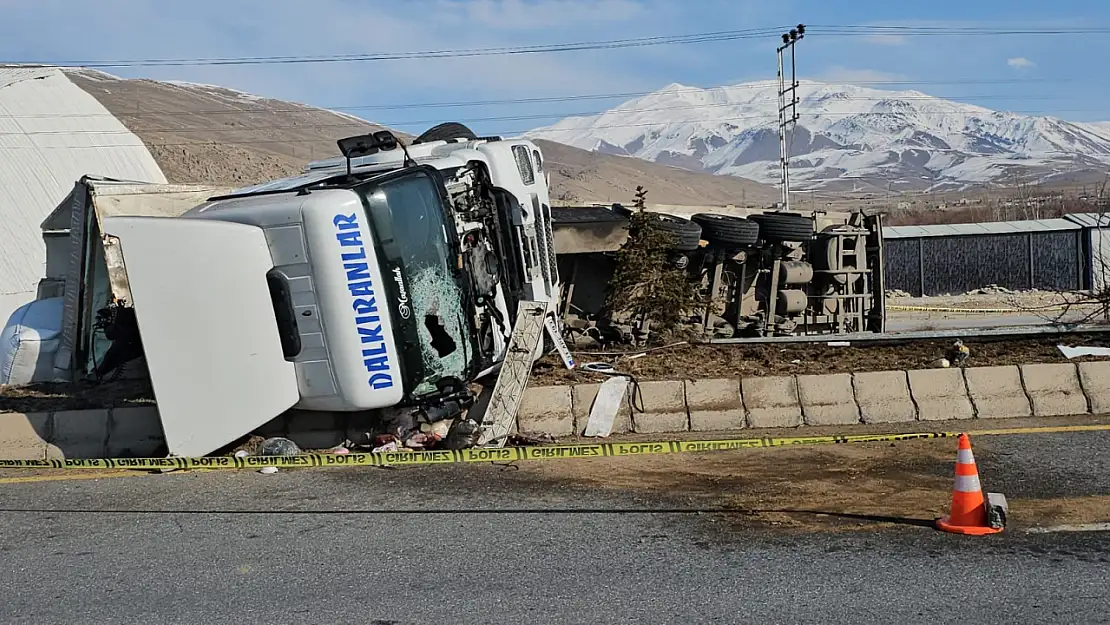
{"type": "Point", "coordinates": [389, 277]}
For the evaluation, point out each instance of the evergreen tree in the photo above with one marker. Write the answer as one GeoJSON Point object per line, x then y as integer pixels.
{"type": "Point", "coordinates": [645, 283]}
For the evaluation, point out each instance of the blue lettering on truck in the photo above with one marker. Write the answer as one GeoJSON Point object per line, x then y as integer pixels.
{"type": "Point", "coordinates": [374, 348]}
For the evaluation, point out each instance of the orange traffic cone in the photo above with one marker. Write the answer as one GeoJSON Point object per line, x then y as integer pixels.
{"type": "Point", "coordinates": [968, 514]}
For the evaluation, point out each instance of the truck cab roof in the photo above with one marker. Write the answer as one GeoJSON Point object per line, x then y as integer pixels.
{"type": "Point", "coordinates": [442, 155]}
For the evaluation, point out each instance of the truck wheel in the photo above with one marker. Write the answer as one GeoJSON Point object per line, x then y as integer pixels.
{"type": "Point", "coordinates": [780, 227]}
{"type": "Point", "coordinates": [444, 131]}
{"type": "Point", "coordinates": [727, 229]}
{"type": "Point", "coordinates": [686, 234]}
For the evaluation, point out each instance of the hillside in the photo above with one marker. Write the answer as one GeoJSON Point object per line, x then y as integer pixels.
{"type": "Point", "coordinates": [579, 175]}
{"type": "Point", "coordinates": [206, 133]}
{"type": "Point", "coordinates": [846, 137]}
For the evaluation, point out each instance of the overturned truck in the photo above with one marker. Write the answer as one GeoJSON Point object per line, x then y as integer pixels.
{"type": "Point", "coordinates": [764, 273]}
{"type": "Point", "coordinates": [383, 281]}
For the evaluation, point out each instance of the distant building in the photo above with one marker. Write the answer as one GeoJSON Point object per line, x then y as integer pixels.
{"type": "Point", "coordinates": [1064, 254]}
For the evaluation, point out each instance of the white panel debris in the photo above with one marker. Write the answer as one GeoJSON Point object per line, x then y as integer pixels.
{"type": "Point", "coordinates": [606, 405]}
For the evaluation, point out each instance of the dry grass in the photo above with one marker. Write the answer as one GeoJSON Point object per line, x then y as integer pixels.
{"type": "Point", "coordinates": [731, 361]}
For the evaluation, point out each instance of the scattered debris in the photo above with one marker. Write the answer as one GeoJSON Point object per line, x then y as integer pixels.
{"type": "Point", "coordinates": [278, 446]}
{"type": "Point", "coordinates": [958, 353]}
{"type": "Point", "coordinates": [439, 429]}
{"type": "Point", "coordinates": [268, 470]}
{"type": "Point", "coordinates": [605, 406]}
{"type": "Point", "coordinates": [392, 445]}
{"type": "Point", "coordinates": [1077, 352]}
{"type": "Point", "coordinates": [524, 440]}
{"type": "Point", "coordinates": [242, 453]}
{"type": "Point", "coordinates": [462, 435]}
{"type": "Point", "coordinates": [338, 449]}
{"type": "Point", "coordinates": [420, 440]}
{"type": "Point", "coordinates": [990, 289]}
{"type": "Point", "coordinates": [897, 293]}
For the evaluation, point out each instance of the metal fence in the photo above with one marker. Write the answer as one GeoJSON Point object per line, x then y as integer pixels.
{"type": "Point", "coordinates": [939, 265]}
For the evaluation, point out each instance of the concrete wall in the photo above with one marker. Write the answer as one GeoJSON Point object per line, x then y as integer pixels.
{"type": "Point", "coordinates": [723, 404]}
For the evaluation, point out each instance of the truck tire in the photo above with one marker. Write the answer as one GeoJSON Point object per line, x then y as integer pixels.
{"type": "Point", "coordinates": [782, 227]}
{"type": "Point", "coordinates": [727, 229]}
{"type": "Point", "coordinates": [444, 131]}
{"type": "Point", "coordinates": [686, 234]}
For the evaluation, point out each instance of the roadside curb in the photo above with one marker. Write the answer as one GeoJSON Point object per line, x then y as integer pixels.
{"type": "Point", "coordinates": [673, 406]}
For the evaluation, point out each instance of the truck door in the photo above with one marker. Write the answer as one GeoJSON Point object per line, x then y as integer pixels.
{"type": "Point", "coordinates": [208, 327]}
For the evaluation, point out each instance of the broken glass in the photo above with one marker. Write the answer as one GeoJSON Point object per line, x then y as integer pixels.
{"type": "Point", "coordinates": [411, 229]}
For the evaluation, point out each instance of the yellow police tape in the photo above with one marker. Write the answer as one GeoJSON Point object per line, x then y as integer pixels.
{"type": "Point", "coordinates": [508, 454]}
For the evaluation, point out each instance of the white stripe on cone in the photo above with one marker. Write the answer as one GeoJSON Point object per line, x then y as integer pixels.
{"type": "Point", "coordinates": [964, 456]}
{"type": "Point", "coordinates": [967, 483]}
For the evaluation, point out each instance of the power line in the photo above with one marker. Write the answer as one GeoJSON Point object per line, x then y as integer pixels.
{"type": "Point", "coordinates": [925, 31]}
{"type": "Point", "coordinates": [311, 109]}
{"type": "Point", "coordinates": [516, 132]}
{"type": "Point", "coordinates": [612, 44]}
{"type": "Point", "coordinates": [693, 38]}
{"type": "Point", "coordinates": [538, 116]}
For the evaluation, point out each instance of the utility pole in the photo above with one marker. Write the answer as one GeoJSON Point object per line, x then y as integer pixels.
{"type": "Point", "coordinates": [788, 41]}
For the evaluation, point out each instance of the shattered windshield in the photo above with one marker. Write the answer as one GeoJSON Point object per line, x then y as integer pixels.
{"type": "Point", "coordinates": [427, 292]}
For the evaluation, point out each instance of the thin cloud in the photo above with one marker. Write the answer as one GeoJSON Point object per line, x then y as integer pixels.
{"type": "Point", "coordinates": [1020, 62]}
{"type": "Point", "coordinates": [521, 15]}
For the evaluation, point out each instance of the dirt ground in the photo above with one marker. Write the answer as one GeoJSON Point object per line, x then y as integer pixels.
{"type": "Point", "coordinates": [831, 488]}
{"type": "Point", "coordinates": [1024, 302]}
{"type": "Point", "coordinates": [834, 488]}
{"type": "Point", "coordinates": [707, 361]}
{"type": "Point", "coordinates": [81, 396]}
{"type": "Point", "coordinates": [1046, 304]}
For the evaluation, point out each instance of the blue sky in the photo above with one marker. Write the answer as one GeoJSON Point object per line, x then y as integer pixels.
{"type": "Point", "coordinates": [1055, 75]}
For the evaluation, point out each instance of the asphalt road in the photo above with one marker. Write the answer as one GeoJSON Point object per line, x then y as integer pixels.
{"type": "Point", "coordinates": [489, 544]}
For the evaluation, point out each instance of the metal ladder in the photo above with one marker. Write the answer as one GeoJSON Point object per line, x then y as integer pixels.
{"type": "Point", "coordinates": [531, 320]}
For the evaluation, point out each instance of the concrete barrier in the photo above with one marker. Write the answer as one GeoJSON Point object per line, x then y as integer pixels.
{"type": "Point", "coordinates": [80, 433]}
{"type": "Point", "coordinates": [546, 410]}
{"type": "Point", "coordinates": [715, 404]}
{"type": "Point", "coordinates": [664, 405]}
{"type": "Point", "coordinates": [997, 392]}
{"type": "Point", "coordinates": [1054, 389]}
{"type": "Point", "coordinates": [23, 436]}
{"type": "Point", "coordinates": [134, 432]}
{"type": "Point", "coordinates": [1095, 378]}
{"type": "Point", "coordinates": [884, 397]}
{"type": "Point", "coordinates": [772, 402]}
{"type": "Point", "coordinates": [828, 399]}
{"type": "Point", "coordinates": [311, 429]}
{"type": "Point", "coordinates": [721, 404]}
{"type": "Point", "coordinates": [583, 398]}
{"type": "Point", "coordinates": [940, 394]}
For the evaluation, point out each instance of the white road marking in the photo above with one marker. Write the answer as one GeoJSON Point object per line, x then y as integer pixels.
{"type": "Point", "coordinates": [1086, 527]}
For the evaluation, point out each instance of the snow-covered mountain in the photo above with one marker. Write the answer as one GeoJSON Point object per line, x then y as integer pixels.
{"type": "Point", "coordinates": [846, 137]}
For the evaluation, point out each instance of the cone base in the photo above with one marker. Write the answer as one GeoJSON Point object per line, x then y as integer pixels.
{"type": "Point", "coordinates": [944, 524]}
